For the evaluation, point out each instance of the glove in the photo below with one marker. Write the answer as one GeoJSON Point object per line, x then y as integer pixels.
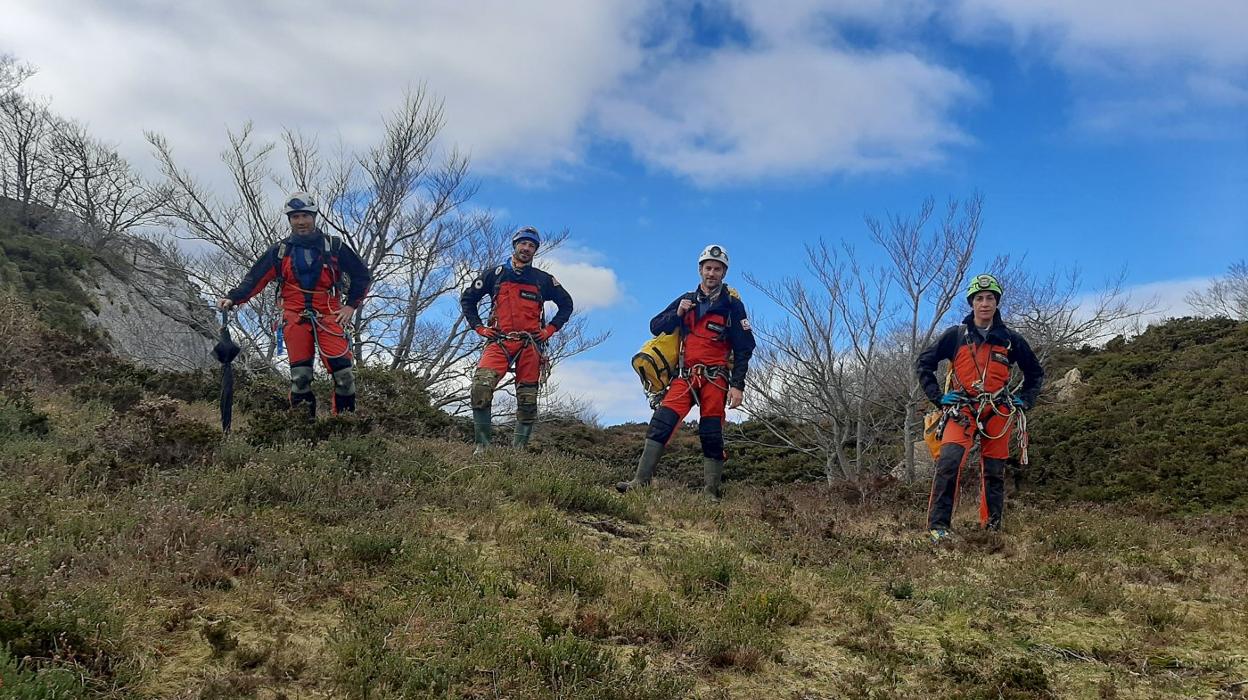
{"type": "Point", "coordinates": [1019, 403]}
{"type": "Point", "coordinates": [546, 333]}
{"type": "Point", "coordinates": [952, 398]}
{"type": "Point", "coordinates": [486, 332]}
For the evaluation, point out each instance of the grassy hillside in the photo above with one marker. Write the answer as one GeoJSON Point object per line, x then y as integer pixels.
{"type": "Point", "coordinates": [1162, 422]}
{"type": "Point", "coordinates": [141, 556]}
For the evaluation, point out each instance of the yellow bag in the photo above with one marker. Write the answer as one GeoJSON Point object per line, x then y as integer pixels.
{"type": "Point", "coordinates": [930, 422]}
{"type": "Point", "coordinates": [656, 362]}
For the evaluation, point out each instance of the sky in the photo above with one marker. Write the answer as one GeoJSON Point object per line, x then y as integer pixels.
{"type": "Point", "coordinates": [1111, 135]}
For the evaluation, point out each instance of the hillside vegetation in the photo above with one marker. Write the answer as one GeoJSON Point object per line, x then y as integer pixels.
{"type": "Point", "coordinates": [1161, 423]}
{"type": "Point", "coordinates": [370, 557]}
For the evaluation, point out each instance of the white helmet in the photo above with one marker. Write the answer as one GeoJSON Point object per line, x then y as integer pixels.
{"type": "Point", "coordinates": [301, 201]}
{"type": "Point", "coordinates": [714, 252]}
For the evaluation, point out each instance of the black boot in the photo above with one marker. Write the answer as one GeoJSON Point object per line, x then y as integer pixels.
{"type": "Point", "coordinates": [305, 401]}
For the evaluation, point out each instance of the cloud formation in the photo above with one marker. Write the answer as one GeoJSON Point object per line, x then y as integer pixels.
{"type": "Point", "coordinates": [727, 91]}
{"type": "Point", "coordinates": [592, 284]}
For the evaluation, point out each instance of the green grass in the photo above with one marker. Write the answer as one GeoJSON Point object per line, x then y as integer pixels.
{"type": "Point", "coordinates": [354, 562]}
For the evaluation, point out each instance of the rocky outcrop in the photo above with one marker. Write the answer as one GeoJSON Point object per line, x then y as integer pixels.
{"type": "Point", "coordinates": [1068, 386]}
{"type": "Point", "coordinates": [148, 308]}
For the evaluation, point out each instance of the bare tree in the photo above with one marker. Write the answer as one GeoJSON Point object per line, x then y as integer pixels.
{"type": "Point", "coordinates": [929, 264]}
{"type": "Point", "coordinates": [400, 204]}
{"type": "Point", "coordinates": [1226, 297]}
{"type": "Point", "coordinates": [101, 189]}
{"type": "Point", "coordinates": [13, 73]}
{"type": "Point", "coordinates": [1055, 314]}
{"type": "Point", "coordinates": [26, 171]}
{"type": "Point", "coordinates": [815, 386]}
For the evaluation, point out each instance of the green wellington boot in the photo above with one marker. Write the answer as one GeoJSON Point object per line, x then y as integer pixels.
{"type": "Point", "coordinates": [645, 466]}
{"type": "Point", "coordinates": [482, 429]}
{"type": "Point", "coordinates": [524, 431]}
{"type": "Point", "coordinates": [713, 474]}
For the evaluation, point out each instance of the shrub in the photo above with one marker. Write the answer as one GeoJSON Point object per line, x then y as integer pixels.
{"type": "Point", "coordinates": [18, 415]}
{"type": "Point", "coordinates": [22, 682]}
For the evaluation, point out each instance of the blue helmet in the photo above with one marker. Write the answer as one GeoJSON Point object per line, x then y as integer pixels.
{"type": "Point", "coordinates": [528, 232]}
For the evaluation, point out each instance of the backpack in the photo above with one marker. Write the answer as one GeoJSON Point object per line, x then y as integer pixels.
{"type": "Point", "coordinates": [658, 360]}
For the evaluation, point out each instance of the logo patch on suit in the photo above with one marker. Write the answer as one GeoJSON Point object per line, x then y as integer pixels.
{"type": "Point", "coordinates": [531, 296]}
{"type": "Point", "coordinates": [554, 281]}
{"type": "Point", "coordinates": [745, 324]}
{"type": "Point", "coordinates": [478, 284]}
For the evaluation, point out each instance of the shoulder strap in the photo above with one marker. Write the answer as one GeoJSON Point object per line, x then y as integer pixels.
{"type": "Point", "coordinates": [333, 245]}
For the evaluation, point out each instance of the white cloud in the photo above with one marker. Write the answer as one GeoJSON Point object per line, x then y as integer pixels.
{"type": "Point", "coordinates": [611, 388]}
{"type": "Point", "coordinates": [591, 284]}
{"type": "Point", "coordinates": [1169, 296]}
{"type": "Point", "coordinates": [517, 78]}
{"type": "Point", "coordinates": [528, 86]}
{"type": "Point", "coordinates": [749, 114]}
{"type": "Point", "coordinates": [1140, 32]}
{"type": "Point", "coordinates": [1138, 67]}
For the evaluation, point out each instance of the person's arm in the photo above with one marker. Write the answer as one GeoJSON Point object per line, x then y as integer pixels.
{"type": "Point", "coordinates": [925, 365]}
{"type": "Point", "coordinates": [553, 291]}
{"type": "Point", "coordinates": [668, 319]}
{"type": "Point", "coordinates": [471, 297]}
{"type": "Point", "coordinates": [261, 273]}
{"type": "Point", "coordinates": [742, 338]}
{"type": "Point", "coordinates": [1033, 371]}
{"type": "Point", "coordinates": [354, 268]}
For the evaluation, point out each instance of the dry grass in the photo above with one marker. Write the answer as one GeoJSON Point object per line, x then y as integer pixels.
{"type": "Point", "coordinates": [375, 566]}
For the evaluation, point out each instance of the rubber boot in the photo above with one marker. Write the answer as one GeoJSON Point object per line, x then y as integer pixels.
{"type": "Point", "coordinates": [650, 455]}
{"type": "Point", "coordinates": [713, 475]}
{"type": "Point", "coordinates": [524, 431]}
{"type": "Point", "coordinates": [482, 429]}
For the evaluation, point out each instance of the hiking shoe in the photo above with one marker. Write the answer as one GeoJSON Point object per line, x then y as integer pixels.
{"type": "Point", "coordinates": [938, 535]}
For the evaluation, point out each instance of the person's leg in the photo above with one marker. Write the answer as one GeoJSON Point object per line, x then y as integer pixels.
{"type": "Point", "coordinates": [490, 369]}
{"type": "Point", "coordinates": [299, 350]}
{"type": "Point", "coordinates": [712, 400]}
{"type": "Point", "coordinates": [993, 453]}
{"type": "Point", "coordinates": [955, 444]}
{"type": "Point", "coordinates": [336, 355]}
{"type": "Point", "coordinates": [663, 424]}
{"type": "Point", "coordinates": [528, 376]}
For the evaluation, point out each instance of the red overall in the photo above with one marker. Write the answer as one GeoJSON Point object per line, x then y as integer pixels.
{"type": "Point", "coordinates": [706, 361]}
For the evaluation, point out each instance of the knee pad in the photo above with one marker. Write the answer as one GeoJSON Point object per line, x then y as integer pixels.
{"type": "Point", "coordinates": [711, 433]}
{"type": "Point", "coordinates": [301, 378]}
{"type": "Point", "coordinates": [662, 425]}
{"type": "Point", "coordinates": [526, 403]}
{"type": "Point", "coordinates": [482, 392]}
{"type": "Point", "coordinates": [344, 382]}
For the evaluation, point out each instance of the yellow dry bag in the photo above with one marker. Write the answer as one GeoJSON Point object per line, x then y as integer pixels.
{"type": "Point", "coordinates": [657, 362]}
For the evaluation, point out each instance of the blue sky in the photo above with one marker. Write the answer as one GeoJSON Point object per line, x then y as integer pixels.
{"type": "Point", "coordinates": [1104, 134]}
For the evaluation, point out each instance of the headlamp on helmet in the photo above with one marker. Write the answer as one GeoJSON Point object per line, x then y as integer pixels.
{"type": "Point", "coordinates": [983, 283]}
